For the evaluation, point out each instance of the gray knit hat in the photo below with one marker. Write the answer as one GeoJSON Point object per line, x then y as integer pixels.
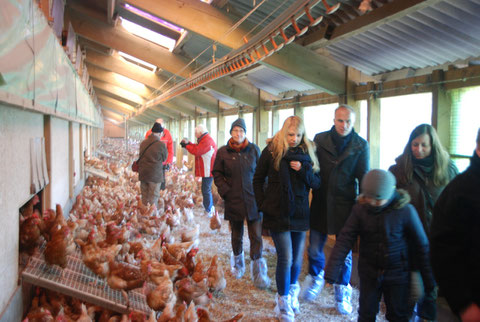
{"type": "Point", "coordinates": [240, 123]}
{"type": "Point", "coordinates": [378, 184]}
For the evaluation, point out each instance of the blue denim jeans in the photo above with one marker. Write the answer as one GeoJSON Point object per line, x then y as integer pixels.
{"type": "Point", "coordinates": [289, 246]}
{"type": "Point", "coordinates": [394, 295]}
{"type": "Point", "coordinates": [207, 193]}
{"type": "Point", "coordinates": [316, 258]}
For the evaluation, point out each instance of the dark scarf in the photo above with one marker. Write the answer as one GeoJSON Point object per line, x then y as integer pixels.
{"type": "Point", "coordinates": [340, 142]}
{"type": "Point", "coordinates": [287, 174]}
{"type": "Point", "coordinates": [425, 165]}
{"type": "Point", "coordinates": [237, 147]}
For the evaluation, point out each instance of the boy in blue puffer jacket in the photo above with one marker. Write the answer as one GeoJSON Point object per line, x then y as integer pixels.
{"type": "Point", "coordinates": [387, 226]}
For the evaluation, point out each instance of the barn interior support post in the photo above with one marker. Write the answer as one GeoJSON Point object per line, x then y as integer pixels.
{"type": "Point", "coordinates": [441, 108]}
{"type": "Point", "coordinates": [178, 149]}
{"type": "Point", "coordinates": [81, 148]}
{"type": "Point", "coordinates": [373, 126]}
{"type": "Point", "coordinates": [262, 123]}
{"type": "Point", "coordinates": [297, 108]}
{"type": "Point", "coordinates": [220, 126]}
{"type": "Point", "coordinates": [349, 97]}
{"type": "Point", "coordinates": [275, 120]}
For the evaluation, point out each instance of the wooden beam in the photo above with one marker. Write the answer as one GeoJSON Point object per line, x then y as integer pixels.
{"type": "Point", "coordinates": [211, 23]}
{"type": "Point", "coordinates": [94, 47]}
{"type": "Point", "coordinates": [388, 12]}
{"type": "Point", "coordinates": [120, 81]}
{"type": "Point", "coordinates": [178, 104]}
{"type": "Point", "coordinates": [110, 11]}
{"type": "Point", "coordinates": [118, 91]}
{"type": "Point", "coordinates": [114, 107]}
{"type": "Point", "coordinates": [120, 104]}
{"type": "Point", "coordinates": [166, 111]}
{"type": "Point", "coordinates": [204, 101]}
{"type": "Point", "coordinates": [121, 40]}
{"type": "Point", "coordinates": [118, 65]}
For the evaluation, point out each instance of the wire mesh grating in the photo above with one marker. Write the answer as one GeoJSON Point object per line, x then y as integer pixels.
{"type": "Point", "coordinates": [78, 281]}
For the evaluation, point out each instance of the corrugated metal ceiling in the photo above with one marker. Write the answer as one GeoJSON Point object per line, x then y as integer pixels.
{"type": "Point", "coordinates": [439, 34]}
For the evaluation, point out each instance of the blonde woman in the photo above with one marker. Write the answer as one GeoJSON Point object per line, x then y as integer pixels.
{"type": "Point", "coordinates": [286, 171]}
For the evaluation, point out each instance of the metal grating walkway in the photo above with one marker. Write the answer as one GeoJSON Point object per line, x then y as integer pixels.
{"type": "Point", "coordinates": [78, 281]}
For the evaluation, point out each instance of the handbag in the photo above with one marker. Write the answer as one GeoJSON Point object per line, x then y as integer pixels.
{"type": "Point", "coordinates": [135, 163]}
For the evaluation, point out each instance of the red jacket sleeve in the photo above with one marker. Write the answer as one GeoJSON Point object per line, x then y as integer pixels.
{"type": "Point", "coordinates": [202, 147]}
{"type": "Point", "coordinates": [167, 138]}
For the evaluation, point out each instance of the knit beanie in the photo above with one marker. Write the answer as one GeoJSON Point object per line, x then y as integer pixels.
{"type": "Point", "coordinates": [378, 184]}
{"type": "Point", "coordinates": [240, 123]}
{"type": "Point", "coordinates": [157, 128]}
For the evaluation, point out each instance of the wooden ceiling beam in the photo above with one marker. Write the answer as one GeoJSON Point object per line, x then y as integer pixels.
{"type": "Point", "coordinates": [293, 60]}
{"type": "Point", "coordinates": [112, 100]}
{"type": "Point", "coordinates": [119, 92]}
{"type": "Point", "coordinates": [388, 12]}
{"type": "Point", "coordinates": [120, 81]}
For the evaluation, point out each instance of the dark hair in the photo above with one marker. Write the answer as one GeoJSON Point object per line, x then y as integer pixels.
{"type": "Point", "coordinates": [441, 157]}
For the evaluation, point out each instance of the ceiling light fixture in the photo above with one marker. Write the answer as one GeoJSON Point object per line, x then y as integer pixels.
{"type": "Point", "coordinates": [138, 62]}
{"type": "Point", "coordinates": [149, 35]}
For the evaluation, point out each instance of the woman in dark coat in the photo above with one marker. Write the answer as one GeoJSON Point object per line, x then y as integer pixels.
{"type": "Point", "coordinates": [289, 168]}
{"type": "Point", "coordinates": [391, 235]}
{"type": "Point", "coordinates": [423, 170]}
{"type": "Point", "coordinates": [233, 172]}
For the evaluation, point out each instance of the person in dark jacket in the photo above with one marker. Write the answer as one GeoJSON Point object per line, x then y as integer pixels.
{"type": "Point", "coordinates": [233, 173]}
{"type": "Point", "coordinates": [153, 153]}
{"type": "Point", "coordinates": [388, 227]}
{"type": "Point", "coordinates": [423, 170]}
{"type": "Point", "coordinates": [289, 168]}
{"type": "Point", "coordinates": [455, 241]}
{"type": "Point", "coordinates": [344, 159]}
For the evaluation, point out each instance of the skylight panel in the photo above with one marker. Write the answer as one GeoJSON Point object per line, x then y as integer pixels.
{"type": "Point", "coordinates": [149, 35]}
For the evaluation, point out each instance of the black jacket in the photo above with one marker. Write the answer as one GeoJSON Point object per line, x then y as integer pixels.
{"type": "Point", "coordinates": [455, 239]}
{"type": "Point", "coordinates": [385, 240]}
{"type": "Point", "coordinates": [333, 202]}
{"type": "Point", "coordinates": [269, 198]}
{"type": "Point", "coordinates": [233, 173]}
{"type": "Point", "coordinates": [419, 196]}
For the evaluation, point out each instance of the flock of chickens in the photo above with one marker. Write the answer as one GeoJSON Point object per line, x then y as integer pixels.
{"type": "Point", "coordinates": [131, 245]}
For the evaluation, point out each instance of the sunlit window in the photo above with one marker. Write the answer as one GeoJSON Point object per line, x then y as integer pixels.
{"type": "Point", "coordinates": [464, 125]}
{"type": "Point", "coordinates": [283, 115]}
{"type": "Point", "coordinates": [207, 1]}
{"type": "Point", "coordinates": [148, 34]}
{"type": "Point", "coordinates": [318, 118]}
{"type": "Point", "coordinates": [212, 128]}
{"type": "Point", "coordinates": [138, 62]}
{"type": "Point", "coordinates": [399, 115]}
{"type": "Point", "coordinates": [229, 119]}
{"type": "Point", "coordinates": [363, 130]}
{"type": "Point", "coordinates": [248, 117]}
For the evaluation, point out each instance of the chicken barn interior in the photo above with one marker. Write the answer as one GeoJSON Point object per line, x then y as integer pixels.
{"type": "Point", "coordinates": [81, 82]}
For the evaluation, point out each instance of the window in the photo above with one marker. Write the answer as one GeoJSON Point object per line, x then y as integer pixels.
{"type": "Point", "coordinates": [318, 118]}
{"type": "Point", "coordinates": [363, 130]}
{"type": "Point", "coordinates": [464, 125]}
{"type": "Point", "coordinates": [148, 34]}
{"type": "Point", "coordinates": [229, 119]}
{"type": "Point", "coordinates": [248, 117]}
{"type": "Point", "coordinates": [283, 115]}
{"type": "Point", "coordinates": [212, 128]}
{"type": "Point", "coordinates": [398, 117]}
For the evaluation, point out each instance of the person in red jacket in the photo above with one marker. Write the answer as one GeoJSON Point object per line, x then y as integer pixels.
{"type": "Point", "coordinates": [204, 151]}
{"type": "Point", "coordinates": [167, 139]}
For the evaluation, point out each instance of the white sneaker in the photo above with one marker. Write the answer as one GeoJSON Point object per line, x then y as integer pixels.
{"type": "Point", "coordinates": [293, 292]}
{"type": "Point", "coordinates": [312, 286]}
{"type": "Point", "coordinates": [210, 213]}
{"type": "Point", "coordinates": [283, 310]}
{"type": "Point", "coordinates": [343, 298]}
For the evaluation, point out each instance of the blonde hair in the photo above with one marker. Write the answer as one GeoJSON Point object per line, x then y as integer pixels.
{"type": "Point", "coordinates": [280, 143]}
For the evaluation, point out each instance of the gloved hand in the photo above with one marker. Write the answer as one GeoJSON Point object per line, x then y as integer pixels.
{"type": "Point", "coordinates": [166, 167]}
{"type": "Point", "coordinates": [184, 143]}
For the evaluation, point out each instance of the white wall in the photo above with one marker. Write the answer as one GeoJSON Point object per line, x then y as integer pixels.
{"type": "Point", "coordinates": [16, 129]}
{"type": "Point", "coordinates": [76, 152]}
{"type": "Point", "coordinates": [59, 166]}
